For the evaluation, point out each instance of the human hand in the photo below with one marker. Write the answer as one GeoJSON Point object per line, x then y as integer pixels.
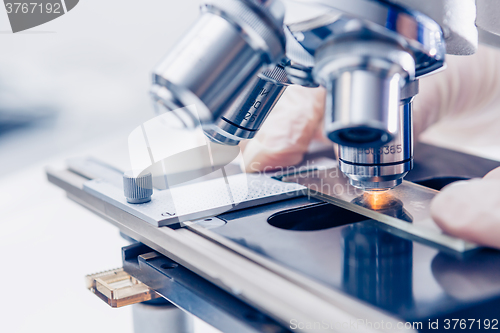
{"type": "Point", "coordinates": [471, 209]}
{"type": "Point", "coordinates": [465, 95]}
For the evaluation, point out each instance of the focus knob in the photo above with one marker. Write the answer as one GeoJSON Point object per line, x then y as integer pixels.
{"type": "Point", "coordinates": [137, 189]}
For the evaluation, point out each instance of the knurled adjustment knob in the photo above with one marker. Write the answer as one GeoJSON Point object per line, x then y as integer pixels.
{"type": "Point", "coordinates": [137, 187]}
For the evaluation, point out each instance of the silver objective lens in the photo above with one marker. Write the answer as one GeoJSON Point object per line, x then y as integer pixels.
{"type": "Point", "coordinates": [219, 59]}
{"type": "Point", "coordinates": [244, 118]}
{"type": "Point", "coordinates": [383, 167]}
{"type": "Point", "coordinates": [363, 79]}
{"type": "Point", "coordinates": [246, 115]}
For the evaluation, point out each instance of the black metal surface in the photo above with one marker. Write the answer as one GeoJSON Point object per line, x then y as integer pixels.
{"type": "Point", "coordinates": [392, 273]}
{"type": "Point", "coordinates": [431, 162]}
{"type": "Point", "coordinates": [194, 294]}
{"type": "Point", "coordinates": [407, 279]}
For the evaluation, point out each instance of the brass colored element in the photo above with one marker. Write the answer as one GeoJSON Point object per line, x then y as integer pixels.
{"type": "Point", "coordinates": [117, 288]}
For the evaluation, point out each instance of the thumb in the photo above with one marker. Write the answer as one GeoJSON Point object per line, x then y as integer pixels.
{"type": "Point", "coordinates": [471, 210]}
{"type": "Point", "coordinates": [493, 174]}
{"type": "Point", "coordinates": [285, 136]}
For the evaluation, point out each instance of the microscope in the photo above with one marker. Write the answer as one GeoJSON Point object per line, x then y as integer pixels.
{"type": "Point", "coordinates": [237, 60]}
{"type": "Point", "coordinates": [349, 243]}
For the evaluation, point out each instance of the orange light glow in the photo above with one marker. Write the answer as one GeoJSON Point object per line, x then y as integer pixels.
{"type": "Point", "coordinates": [377, 200]}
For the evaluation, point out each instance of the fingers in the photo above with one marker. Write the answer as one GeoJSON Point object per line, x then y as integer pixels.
{"type": "Point", "coordinates": [470, 210]}
{"type": "Point", "coordinates": [285, 136]}
{"type": "Point", "coordinates": [493, 174]}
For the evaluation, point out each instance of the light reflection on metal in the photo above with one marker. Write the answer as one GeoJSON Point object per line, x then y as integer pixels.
{"type": "Point", "coordinates": [377, 267]}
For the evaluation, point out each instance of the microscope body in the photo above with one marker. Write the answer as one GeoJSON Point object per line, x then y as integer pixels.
{"type": "Point", "coordinates": [237, 60]}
